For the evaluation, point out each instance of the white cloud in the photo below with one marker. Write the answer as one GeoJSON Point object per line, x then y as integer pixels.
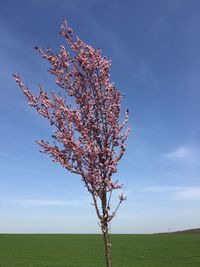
{"type": "Point", "coordinates": [160, 189]}
{"type": "Point", "coordinates": [188, 193]}
{"type": "Point", "coordinates": [178, 192]}
{"type": "Point", "coordinates": [43, 202]}
{"type": "Point", "coordinates": [181, 153]}
{"type": "Point", "coordinates": [189, 154]}
{"type": "Point", "coordinates": [11, 157]}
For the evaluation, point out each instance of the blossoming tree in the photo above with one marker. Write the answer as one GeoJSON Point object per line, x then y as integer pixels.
{"type": "Point", "coordinates": [88, 137]}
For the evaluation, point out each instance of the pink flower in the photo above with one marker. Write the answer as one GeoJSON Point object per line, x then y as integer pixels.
{"type": "Point", "coordinates": [122, 197]}
{"type": "Point", "coordinates": [88, 130]}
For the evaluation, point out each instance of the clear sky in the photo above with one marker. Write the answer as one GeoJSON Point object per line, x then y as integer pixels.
{"type": "Point", "coordinates": [155, 51]}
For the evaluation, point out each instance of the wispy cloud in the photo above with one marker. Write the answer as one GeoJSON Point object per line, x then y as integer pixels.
{"type": "Point", "coordinates": [160, 189]}
{"type": "Point", "coordinates": [43, 202]}
{"type": "Point", "coordinates": [183, 153]}
{"type": "Point", "coordinates": [188, 193]}
{"type": "Point", "coordinates": [11, 157]}
{"type": "Point", "coordinates": [178, 192]}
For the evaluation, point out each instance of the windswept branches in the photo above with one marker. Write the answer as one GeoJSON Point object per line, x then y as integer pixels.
{"type": "Point", "coordinates": [90, 132]}
{"type": "Point", "coordinates": [88, 138]}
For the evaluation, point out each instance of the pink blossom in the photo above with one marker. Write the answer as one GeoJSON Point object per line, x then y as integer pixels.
{"type": "Point", "coordinates": [122, 197]}
{"type": "Point", "coordinates": [88, 137]}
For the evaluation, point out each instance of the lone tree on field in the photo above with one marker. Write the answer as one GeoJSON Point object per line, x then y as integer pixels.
{"type": "Point", "coordinates": [88, 138]}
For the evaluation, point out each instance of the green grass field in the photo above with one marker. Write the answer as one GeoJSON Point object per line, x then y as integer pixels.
{"type": "Point", "coordinates": [159, 250]}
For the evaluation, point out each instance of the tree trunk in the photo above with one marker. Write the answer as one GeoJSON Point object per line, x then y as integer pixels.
{"type": "Point", "coordinates": [107, 243]}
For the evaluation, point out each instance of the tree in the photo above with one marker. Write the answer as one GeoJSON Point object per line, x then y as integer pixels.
{"type": "Point", "coordinates": [88, 139]}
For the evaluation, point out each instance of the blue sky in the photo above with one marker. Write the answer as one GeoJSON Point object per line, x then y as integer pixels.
{"type": "Point", "coordinates": [154, 48]}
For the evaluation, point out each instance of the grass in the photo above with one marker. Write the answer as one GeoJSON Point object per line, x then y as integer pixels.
{"type": "Point", "coordinates": [159, 250]}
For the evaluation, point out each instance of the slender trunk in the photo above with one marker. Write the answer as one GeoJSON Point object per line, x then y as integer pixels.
{"type": "Point", "coordinates": [107, 244]}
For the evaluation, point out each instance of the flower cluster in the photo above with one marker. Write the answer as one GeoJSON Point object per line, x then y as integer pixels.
{"type": "Point", "coordinates": [88, 139]}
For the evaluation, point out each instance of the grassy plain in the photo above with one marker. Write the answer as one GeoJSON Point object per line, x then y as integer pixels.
{"type": "Point", "coordinates": [64, 250]}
